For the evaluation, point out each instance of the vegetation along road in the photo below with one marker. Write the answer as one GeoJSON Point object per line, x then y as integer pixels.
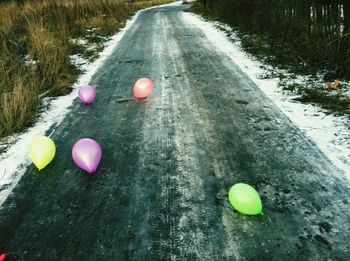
{"type": "Point", "coordinates": [161, 191]}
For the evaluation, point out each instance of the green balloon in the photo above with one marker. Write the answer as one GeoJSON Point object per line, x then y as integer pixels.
{"type": "Point", "coordinates": [245, 199]}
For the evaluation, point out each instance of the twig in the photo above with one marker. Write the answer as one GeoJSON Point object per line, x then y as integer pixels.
{"type": "Point", "coordinates": [124, 100]}
{"type": "Point", "coordinates": [44, 93]}
{"type": "Point", "coordinates": [339, 38]}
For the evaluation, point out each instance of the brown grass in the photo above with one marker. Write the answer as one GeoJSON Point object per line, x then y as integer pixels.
{"type": "Point", "coordinates": [50, 52]}
{"type": "Point", "coordinates": [19, 106]}
{"type": "Point", "coordinates": [35, 49]}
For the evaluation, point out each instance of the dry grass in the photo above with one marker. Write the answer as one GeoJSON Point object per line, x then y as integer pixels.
{"type": "Point", "coordinates": [19, 106]}
{"type": "Point", "coordinates": [50, 53]}
{"type": "Point", "coordinates": [35, 47]}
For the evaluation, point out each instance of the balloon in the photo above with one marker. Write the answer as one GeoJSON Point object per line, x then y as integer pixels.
{"type": "Point", "coordinates": [2, 257]}
{"type": "Point", "coordinates": [42, 151]}
{"type": "Point", "coordinates": [87, 94]}
{"type": "Point", "coordinates": [87, 154]}
{"type": "Point", "coordinates": [143, 88]}
{"type": "Point", "coordinates": [245, 199]}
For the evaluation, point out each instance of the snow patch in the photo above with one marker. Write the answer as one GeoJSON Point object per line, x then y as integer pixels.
{"type": "Point", "coordinates": [171, 4]}
{"type": "Point", "coordinates": [79, 41]}
{"type": "Point", "coordinates": [79, 62]}
{"type": "Point", "coordinates": [330, 133]}
{"type": "Point", "coordinates": [29, 61]}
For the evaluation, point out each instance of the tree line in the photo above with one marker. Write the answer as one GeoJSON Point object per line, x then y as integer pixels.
{"type": "Point", "coordinates": [316, 32]}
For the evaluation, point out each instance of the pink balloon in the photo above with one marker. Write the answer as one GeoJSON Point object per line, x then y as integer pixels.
{"type": "Point", "coordinates": [87, 154]}
{"type": "Point", "coordinates": [143, 88]}
{"type": "Point", "coordinates": [87, 94]}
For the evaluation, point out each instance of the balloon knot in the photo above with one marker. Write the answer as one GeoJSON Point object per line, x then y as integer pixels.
{"type": "Point", "coordinates": [262, 213]}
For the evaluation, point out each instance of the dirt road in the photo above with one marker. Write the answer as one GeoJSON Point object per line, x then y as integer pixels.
{"type": "Point", "coordinates": [161, 190]}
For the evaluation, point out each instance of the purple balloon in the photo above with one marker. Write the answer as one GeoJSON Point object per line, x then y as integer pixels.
{"type": "Point", "coordinates": [87, 154]}
{"type": "Point", "coordinates": [87, 94]}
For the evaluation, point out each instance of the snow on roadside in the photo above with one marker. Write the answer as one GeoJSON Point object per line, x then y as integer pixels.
{"type": "Point", "coordinates": [15, 160]}
{"type": "Point", "coordinates": [171, 4]}
{"type": "Point", "coordinates": [330, 133]}
{"type": "Point", "coordinates": [79, 61]}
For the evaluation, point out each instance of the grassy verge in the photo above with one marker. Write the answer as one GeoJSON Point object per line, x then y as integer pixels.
{"type": "Point", "coordinates": [37, 39]}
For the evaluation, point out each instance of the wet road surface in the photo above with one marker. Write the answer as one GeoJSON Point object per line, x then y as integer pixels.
{"type": "Point", "coordinates": [168, 162]}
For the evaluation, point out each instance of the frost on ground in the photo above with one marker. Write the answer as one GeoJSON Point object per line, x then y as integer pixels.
{"type": "Point", "coordinates": [14, 158]}
{"type": "Point", "coordinates": [329, 132]}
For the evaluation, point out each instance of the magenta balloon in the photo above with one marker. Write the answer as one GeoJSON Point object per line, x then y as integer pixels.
{"type": "Point", "coordinates": [87, 94]}
{"type": "Point", "coordinates": [87, 154]}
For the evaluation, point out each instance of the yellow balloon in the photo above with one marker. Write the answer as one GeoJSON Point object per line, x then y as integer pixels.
{"type": "Point", "coordinates": [42, 151]}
